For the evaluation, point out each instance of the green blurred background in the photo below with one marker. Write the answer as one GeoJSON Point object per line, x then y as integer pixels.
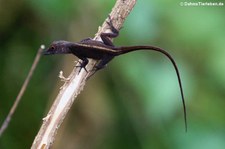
{"type": "Point", "coordinates": [135, 102]}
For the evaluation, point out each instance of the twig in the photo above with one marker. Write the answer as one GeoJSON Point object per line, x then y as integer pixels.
{"type": "Point", "coordinates": [22, 90]}
{"type": "Point", "coordinates": [75, 82]}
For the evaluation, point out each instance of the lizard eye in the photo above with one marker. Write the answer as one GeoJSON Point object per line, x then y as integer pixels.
{"type": "Point", "coordinates": [52, 48]}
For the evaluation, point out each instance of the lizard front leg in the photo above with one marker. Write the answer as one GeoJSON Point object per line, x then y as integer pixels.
{"type": "Point", "coordinates": [83, 63]}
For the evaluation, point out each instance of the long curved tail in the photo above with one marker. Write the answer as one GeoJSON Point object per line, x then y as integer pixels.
{"type": "Point", "coordinates": [123, 50]}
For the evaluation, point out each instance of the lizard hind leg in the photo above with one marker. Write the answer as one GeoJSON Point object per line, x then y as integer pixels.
{"type": "Point", "coordinates": [113, 29]}
{"type": "Point", "coordinates": [114, 33]}
{"type": "Point", "coordinates": [102, 64]}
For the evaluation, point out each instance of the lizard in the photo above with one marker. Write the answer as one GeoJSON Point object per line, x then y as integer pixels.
{"type": "Point", "coordinates": [105, 51]}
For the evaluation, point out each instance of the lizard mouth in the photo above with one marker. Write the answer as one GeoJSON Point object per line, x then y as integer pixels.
{"type": "Point", "coordinates": [46, 52]}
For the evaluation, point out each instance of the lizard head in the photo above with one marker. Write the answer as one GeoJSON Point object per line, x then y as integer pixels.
{"type": "Point", "coordinates": [58, 47]}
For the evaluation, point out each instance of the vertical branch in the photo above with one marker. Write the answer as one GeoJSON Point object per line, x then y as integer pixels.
{"type": "Point", "coordinates": [22, 90]}
{"type": "Point", "coordinates": [75, 83]}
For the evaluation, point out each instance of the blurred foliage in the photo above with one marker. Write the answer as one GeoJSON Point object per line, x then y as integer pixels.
{"type": "Point", "coordinates": [135, 102]}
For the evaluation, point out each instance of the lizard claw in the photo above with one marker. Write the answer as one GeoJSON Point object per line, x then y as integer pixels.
{"type": "Point", "coordinates": [82, 65]}
{"type": "Point", "coordinates": [110, 23]}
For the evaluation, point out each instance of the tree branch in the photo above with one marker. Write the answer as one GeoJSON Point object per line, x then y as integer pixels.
{"type": "Point", "coordinates": [22, 90]}
{"type": "Point", "coordinates": [75, 83]}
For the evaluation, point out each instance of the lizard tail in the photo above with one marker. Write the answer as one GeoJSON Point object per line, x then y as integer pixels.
{"type": "Point", "coordinates": [123, 50]}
